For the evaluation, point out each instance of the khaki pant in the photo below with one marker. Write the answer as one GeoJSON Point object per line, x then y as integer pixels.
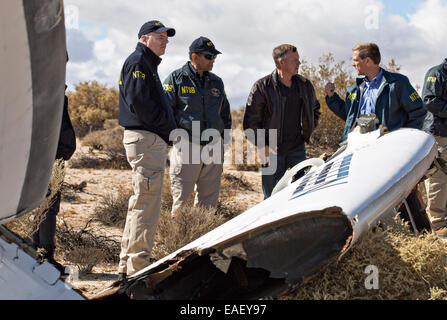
{"type": "Point", "coordinates": [436, 187]}
{"type": "Point", "coordinates": [146, 153]}
{"type": "Point", "coordinates": [188, 176]}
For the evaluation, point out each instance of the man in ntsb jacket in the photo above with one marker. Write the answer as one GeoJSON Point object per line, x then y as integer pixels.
{"type": "Point", "coordinates": [286, 102]}
{"type": "Point", "coordinates": [148, 120]}
{"type": "Point", "coordinates": [434, 95]}
{"type": "Point", "coordinates": [388, 95]}
{"type": "Point", "coordinates": [197, 97]}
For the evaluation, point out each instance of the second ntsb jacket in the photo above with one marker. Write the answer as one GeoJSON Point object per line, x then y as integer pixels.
{"type": "Point", "coordinates": [191, 100]}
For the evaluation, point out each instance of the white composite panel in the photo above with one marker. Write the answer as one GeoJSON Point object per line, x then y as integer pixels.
{"type": "Point", "coordinates": [16, 105]}
{"type": "Point", "coordinates": [23, 278]}
{"type": "Point", "coordinates": [370, 178]}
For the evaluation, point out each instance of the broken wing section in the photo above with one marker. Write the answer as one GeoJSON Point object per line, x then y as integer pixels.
{"type": "Point", "coordinates": [267, 261]}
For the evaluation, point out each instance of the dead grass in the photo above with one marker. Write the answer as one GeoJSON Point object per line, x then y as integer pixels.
{"type": "Point", "coordinates": [84, 259]}
{"type": "Point", "coordinates": [106, 150]}
{"type": "Point", "coordinates": [410, 268]}
{"type": "Point", "coordinates": [188, 224]}
{"type": "Point", "coordinates": [69, 192]}
{"type": "Point", "coordinates": [76, 245]}
{"type": "Point", "coordinates": [112, 208]}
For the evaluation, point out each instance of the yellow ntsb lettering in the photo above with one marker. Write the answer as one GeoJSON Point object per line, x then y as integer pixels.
{"type": "Point", "coordinates": [167, 87]}
{"type": "Point", "coordinates": [138, 74]}
{"type": "Point", "coordinates": [414, 96]}
{"type": "Point", "coordinates": [431, 79]}
{"type": "Point", "coordinates": [352, 96]}
{"type": "Point", "coordinates": [186, 90]}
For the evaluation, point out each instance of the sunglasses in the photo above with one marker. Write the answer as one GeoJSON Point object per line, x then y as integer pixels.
{"type": "Point", "coordinates": [207, 56]}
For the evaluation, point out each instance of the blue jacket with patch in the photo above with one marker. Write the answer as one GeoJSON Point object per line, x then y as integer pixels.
{"type": "Point", "coordinates": [193, 100]}
{"type": "Point", "coordinates": [434, 95]}
{"type": "Point", "coordinates": [398, 104]}
{"type": "Point", "coordinates": [142, 102]}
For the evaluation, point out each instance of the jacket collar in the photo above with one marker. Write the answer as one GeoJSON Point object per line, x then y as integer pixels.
{"type": "Point", "coordinates": [387, 77]}
{"type": "Point", "coordinates": [445, 64]}
{"type": "Point", "coordinates": [188, 70]}
{"type": "Point", "coordinates": [275, 78]}
{"type": "Point", "coordinates": [153, 58]}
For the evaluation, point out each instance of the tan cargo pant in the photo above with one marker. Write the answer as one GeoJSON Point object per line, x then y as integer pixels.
{"type": "Point", "coordinates": [436, 187]}
{"type": "Point", "coordinates": [187, 176]}
{"type": "Point", "coordinates": [146, 153]}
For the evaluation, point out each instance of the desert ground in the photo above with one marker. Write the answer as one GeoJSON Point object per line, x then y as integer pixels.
{"type": "Point", "coordinates": [94, 205]}
{"type": "Point", "coordinates": [109, 182]}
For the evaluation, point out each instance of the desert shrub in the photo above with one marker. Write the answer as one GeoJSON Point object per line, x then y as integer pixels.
{"type": "Point", "coordinates": [246, 163]}
{"type": "Point", "coordinates": [237, 118]}
{"type": "Point", "coordinates": [88, 162]}
{"type": "Point", "coordinates": [231, 185]}
{"type": "Point", "coordinates": [188, 224]}
{"type": "Point", "coordinates": [69, 191]}
{"type": "Point", "coordinates": [73, 244]}
{"type": "Point", "coordinates": [90, 105]}
{"type": "Point", "coordinates": [228, 209]}
{"type": "Point", "coordinates": [106, 151]}
{"type": "Point", "coordinates": [112, 208]}
{"type": "Point", "coordinates": [409, 268]}
{"type": "Point", "coordinates": [85, 258]}
{"type": "Point", "coordinates": [110, 144]}
{"type": "Point", "coordinates": [327, 135]}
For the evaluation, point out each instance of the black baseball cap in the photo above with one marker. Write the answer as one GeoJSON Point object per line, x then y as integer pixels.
{"type": "Point", "coordinates": [155, 26]}
{"type": "Point", "coordinates": [203, 44]}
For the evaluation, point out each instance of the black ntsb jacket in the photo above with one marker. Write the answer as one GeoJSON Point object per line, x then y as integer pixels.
{"type": "Point", "coordinates": [434, 96]}
{"type": "Point", "coordinates": [142, 102]}
{"type": "Point", "coordinates": [191, 101]}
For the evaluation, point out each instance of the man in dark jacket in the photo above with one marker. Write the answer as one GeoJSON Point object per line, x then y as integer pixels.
{"type": "Point", "coordinates": [148, 120]}
{"type": "Point", "coordinates": [45, 224]}
{"type": "Point", "coordinates": [282, 102]}
{"type": "Point", "coordinates": [434, 95]}
{"type": "Point", "coordinates": [197, 97]}
{"type": "Point", "coordinates": [390, 96]}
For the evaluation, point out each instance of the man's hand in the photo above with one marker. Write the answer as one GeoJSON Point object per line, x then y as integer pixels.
{"type": "Point", "coordinates": [265, 155]}
{"type": "Point", "coordinates": [330, 89]}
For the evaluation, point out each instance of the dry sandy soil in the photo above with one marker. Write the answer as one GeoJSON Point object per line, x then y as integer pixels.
{"type": "Point", "coordinates": [102, 182]}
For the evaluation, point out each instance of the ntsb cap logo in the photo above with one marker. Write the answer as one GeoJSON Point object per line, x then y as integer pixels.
{"type": "Point", "coordinates": [158, 23]}
{"type": "Point", "coordinates": [209, 44]}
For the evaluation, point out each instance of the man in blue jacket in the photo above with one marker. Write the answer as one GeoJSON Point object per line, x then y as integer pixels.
{"type": "Point", "coordinates": [390, 96]}
{"type": "Point", "coordinates": [148, 120]}
{"type": "Point", "coordinates": [435, 98]}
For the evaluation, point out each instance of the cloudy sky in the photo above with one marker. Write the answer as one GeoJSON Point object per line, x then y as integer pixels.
{"type": "Point", "coordinates": [102, 33]}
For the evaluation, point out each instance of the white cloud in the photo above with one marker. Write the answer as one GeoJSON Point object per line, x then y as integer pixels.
{"type": "Point", "coordinates": [247, 31]}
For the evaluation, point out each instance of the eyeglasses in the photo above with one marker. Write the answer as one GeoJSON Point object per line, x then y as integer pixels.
{"type": "Point", "coordinates": [207, 56]}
